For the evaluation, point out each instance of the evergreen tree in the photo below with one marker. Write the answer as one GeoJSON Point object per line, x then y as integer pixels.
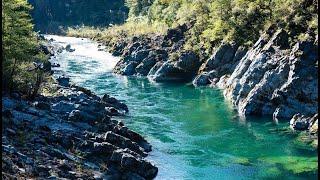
{"type": "Point", "coordinates": [20, 46]}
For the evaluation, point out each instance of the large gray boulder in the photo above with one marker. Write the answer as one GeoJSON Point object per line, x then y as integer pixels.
{"type": "Point", "coordinates": [182, 69]}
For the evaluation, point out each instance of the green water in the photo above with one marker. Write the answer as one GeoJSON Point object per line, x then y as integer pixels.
{"type": "Point", "coordinates": [194, 132]}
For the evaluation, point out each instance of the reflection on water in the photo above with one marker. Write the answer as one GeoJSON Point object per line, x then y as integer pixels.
{"type": "Point", "coordinates": [195, 133]}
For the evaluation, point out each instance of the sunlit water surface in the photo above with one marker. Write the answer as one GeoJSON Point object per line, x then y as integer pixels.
{"type": "Point", "coordinates": [194, 132]}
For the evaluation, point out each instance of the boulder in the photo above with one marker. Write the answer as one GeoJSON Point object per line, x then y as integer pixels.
{"type": "Point", "coordinates": [111, 111]}
{"type": "Point", "coordinates": [102, 149]}
{"type": "Point", "coordinates": [145, 66]}
{"type": "Point", "coordinates": [55, 65]}
{"type": "Point", "coordinates": [130, 69]}
{"type": "Point", "coordinates": [63, 81]}
{"type": "Point", "coordinates": [221, 63]}
{"type": "Point", "coordinates": [113, 102]}
{"type": "Point", "coordinates": [127, 161]}
{"type": "Point", "coordinates": [133, 136]}
{"type": "Point", "coordinates": [204, 78]}
{"type": "Point", "coordinates": [47, 49]}
{"type": "Point", "coordinates": [201, 80]}
{"type": "Point", "coordinates": [155, 68]}
{"type": "Point", "coordinates": [42, 105]}
{"type": "Point", "coordinates": [123, 142]}
{"type": "Point", "coordinates": [63, 107]}
{"type": "Point", "coordinates": [69, 49]}
{"type": "Point", "coordinates": [183, 69]}
{"type": "Point", "coordinates": [301, 123]}
{"type": "Point", "coordinates": [47, 66]}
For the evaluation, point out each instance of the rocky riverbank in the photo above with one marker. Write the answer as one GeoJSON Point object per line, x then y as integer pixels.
{"type": "Point", "coordinates": [272, 78]}
{"type": "Point", "coordinates": [69, 132]}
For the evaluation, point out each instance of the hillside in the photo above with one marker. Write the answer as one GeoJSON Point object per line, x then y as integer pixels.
{"type": "Point", "coordinates": [55, 16]}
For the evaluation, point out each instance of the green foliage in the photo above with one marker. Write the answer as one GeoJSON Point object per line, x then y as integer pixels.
{"type": "Point", "coordinates": [239, 21]}
{"type": "Point", "coordinates": [214, 21]}
{"type": "Point", "coordinates": [138, 7]}
{"type": "Point", "coordinates": [20, 46]}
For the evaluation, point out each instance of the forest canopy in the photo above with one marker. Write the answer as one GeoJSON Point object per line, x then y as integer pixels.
{"type": "Point", "coordinates": [214, 21]}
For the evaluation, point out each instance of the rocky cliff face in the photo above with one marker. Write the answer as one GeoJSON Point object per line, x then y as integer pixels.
{"type": "Point", "coordinates": [275, 79]}
{"type": "Point", "coordinates": [272, 78]}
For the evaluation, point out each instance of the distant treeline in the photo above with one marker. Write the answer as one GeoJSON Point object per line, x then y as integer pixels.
{"type": "Point", "coordinates": [53, 16]}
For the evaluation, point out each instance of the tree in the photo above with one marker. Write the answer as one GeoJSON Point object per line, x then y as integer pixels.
{"type": "Point", "coordinates": [20, 45]}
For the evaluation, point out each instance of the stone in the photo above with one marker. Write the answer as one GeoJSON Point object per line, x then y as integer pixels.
{"type": "Point", "coordinates": [69, 49]}
{"type": "Point", "coordinates": [55, 65]}
{"type": "Point", "coordinates": [75, 115]}
{"type": "Point", "coordinates": [130, 69]}
{"type": "Point", "coordinates": [145, 66]}
{"type": "Point", "coordinates": [123, 142]}
{"type": "Point", "coordinates": [63, 81]}
{"type": "Point", "coordinates": [302, 123]}
{"type": "Point", "coordinates": [47, 66]}
{"type": "Point", "coordinates": [113, 102]}
{"type": "Point", "coordinates": [63, 107]}
{"type": "Point", "coordinates": [102, 149]}
{"type": "Point", "coordinates": [183, 69]}
{"type": "Point", "coordinates": [42, 105]}
{"type": "Point", "coordinates": [112, 111]}
{"type": "Point", "coordinates": [201, 80]}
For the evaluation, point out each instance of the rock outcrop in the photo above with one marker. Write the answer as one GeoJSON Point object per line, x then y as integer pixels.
{"type": "Point", "coordinates": [183, 69]}
{"type": "Point", "coordinates": [276, 80]}
{"type": "Point", "coordinates": [149, 56]}
{"type": "Point", "coordinates": [221, 63]}
{"type": "Point", "coordinates": [53, 136]}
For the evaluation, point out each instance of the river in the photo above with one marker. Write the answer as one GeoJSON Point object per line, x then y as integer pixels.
{"type": "Point", "coordinates": [194, 132]}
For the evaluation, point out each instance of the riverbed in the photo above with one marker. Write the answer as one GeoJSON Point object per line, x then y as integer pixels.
{"type": "Point", "coordinates": [195, 132]}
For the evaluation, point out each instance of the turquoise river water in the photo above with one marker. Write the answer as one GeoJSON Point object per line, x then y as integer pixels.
{"type": "Point", "coordinates": [194, 132]}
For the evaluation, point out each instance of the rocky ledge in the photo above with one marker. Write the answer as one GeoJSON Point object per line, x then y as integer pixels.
{"type": "Point", "coordinates": [272, 78]}
{"type": "Point", "coordinates": [70, 134]}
